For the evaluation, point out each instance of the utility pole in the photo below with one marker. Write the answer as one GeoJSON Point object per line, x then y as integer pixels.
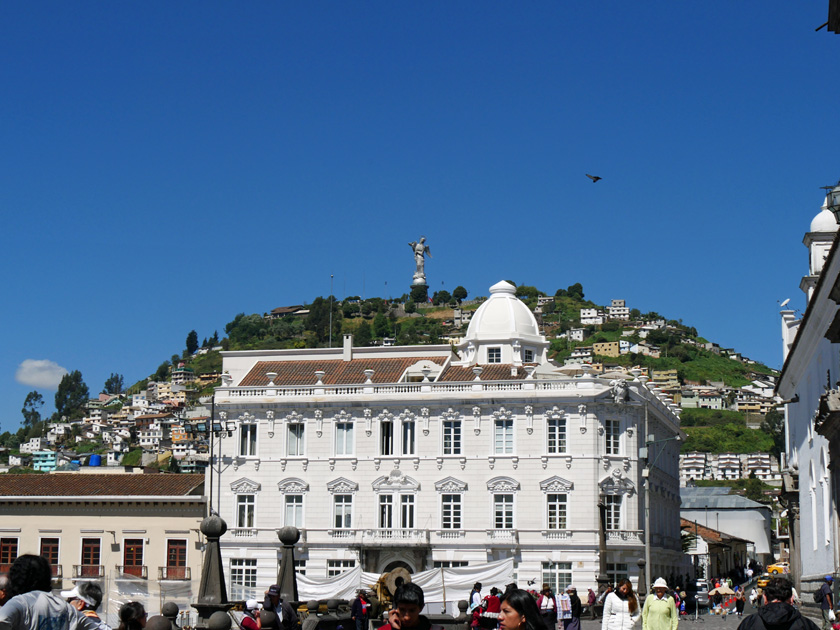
{"type": "Point", "coordinates": [331, 307]}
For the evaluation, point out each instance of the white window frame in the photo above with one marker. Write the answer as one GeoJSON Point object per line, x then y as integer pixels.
{"type": "Point", "coordinates": [245, 571]}
{"type": "Point", "coordinates": [508, 443]}
{"type": "Point", "coordinates": [407, 500]}
{"type": "Point", "coordinates": [248, 435]}
{"type": "Point", "coordinates": [613, 512]}
{"type": "Point", "coordinates": [385, 514]}
{"type": "Point", "coordinates": [346, 513]}
{"type": "Point", "coordinates": [242, 500]}
{"type": "Point", "coordinates": [509, 514]}
{"type": "Point", "coordinates": [528, 355]}
{"type": "Point", "coordinates": [558, 575]}
{"type": "Point", "coordinates": [460, 509]}
{"type": "Point", "coordinates": [562, 520]}
{"type": "Point", "coordinates": [300, 440]}
{"type": "Point", "coordinates": [347, 444]}
{"type": "Point", "coordinates": [560, 426]}
{"type": "Point", "coordinates": [337, 567]}
{"type": "Point", "coordinates": [612, 436]}
{"type": "Point", "coordinates": [408, 434]}
{"type": "Point", "coordinates": [298, 510]}
{"type": "Point", "coordinates": [386, 438]}
{"type": "Point", "coordinates": [455, 426]}
{"type": "Point", "coordinates": [494, 354]}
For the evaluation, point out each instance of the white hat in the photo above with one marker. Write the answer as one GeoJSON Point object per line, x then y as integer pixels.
{"type": "Point", "coordinates": [252, 604]}
{"type": "Point", "coordinates": [74, 594]}
{"type": "Point", "coordinates": [660, 583]}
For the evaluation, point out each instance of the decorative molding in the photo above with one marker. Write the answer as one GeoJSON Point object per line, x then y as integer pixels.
{"type": "Point", "coordinates": [223, 415]}
{"type": "Point", "coordinates": [451, 484]}
{"type": "Point", "coordinates": [342, 485]}
{"type": "Point", "coordinates": [491, 461]}
{"type": "Point", "coordinates": [514, 461]}
{"type": "Point", "coordinates": [620, 391]}
{"type": "Point", "coordinates": [283, 463]}
{"type": "Point", "coordinates": [606, 462]}
{"type": "Point", "coordinates": [424, 413]}
{"type": "Point", "coordinates": [293, 485]}
{"type": "Point", "coordinates": [544, 461]}
{"type": "Point", "coordinates": [368, 415]}
{"type": "Point", "coordinates": [245, 486]}
{"type": "Point", "coordinates": [463, 462]}
{"type": "Point", "coordinates": [556, 484]}
{"type": "Point", "coordinates": [439, 462]}
{"type": "Point", "coordinates": [503, 484]}
{"type": "Point", "coordinates": [394, 481]}
{"type": "Point", "coordinates": [626, 464]}
{"type": "Point", "coordinates": [246, 418]}
{"type": "Point", "coordinates": [293, 417]}
{"type": "Point", "coordinates": [319, 422]}
{"type": "Point", "coordinates": [568, 461]}
{"type": "Point", "coordinates": [331, 462]}
{"type": "Point", "coordinates": [416, 462]}
{"type": "Point", "coordinates": [476, 411]}
{"type": "Point", "coordinates": [270, 416]}
{"type": "Point", "coordinates": [617, 484]}
{"type": "Point", "coordinates": [529, 418]}
{"type": "Point", "coordinates": [377, 463]}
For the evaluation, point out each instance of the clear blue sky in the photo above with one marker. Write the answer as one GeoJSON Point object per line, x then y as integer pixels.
{"type": "Point", "coordinates": [165, 166]}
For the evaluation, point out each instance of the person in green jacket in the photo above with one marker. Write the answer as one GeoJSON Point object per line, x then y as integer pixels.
{"type": "Point", "coordinates": [660, 612]}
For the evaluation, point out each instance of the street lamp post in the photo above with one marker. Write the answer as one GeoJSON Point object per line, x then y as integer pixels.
{"type": "Point", "coordinates": [832, 199]}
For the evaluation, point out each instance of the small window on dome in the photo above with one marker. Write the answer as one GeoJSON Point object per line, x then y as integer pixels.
{"type": "Point", "coordinates": [528, 355]}
{"type": "Point", "coordinates": [494, 355]}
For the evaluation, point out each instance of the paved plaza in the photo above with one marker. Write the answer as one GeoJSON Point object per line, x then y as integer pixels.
{"type": "Point", "coordinates": [705, 622]}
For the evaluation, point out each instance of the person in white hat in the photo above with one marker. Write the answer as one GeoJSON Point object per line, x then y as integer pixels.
{"type": "Point", "coordinates": [251, 616]}
{"type": "Point", "coordinates": [86, 598]}
{"type": "Point", "coordinates": [660, 611]}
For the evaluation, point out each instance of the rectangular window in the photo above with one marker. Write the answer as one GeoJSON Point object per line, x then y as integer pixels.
{"type": "Point", "coordinates": [8, 553]}
{"type": "Point", "coordinates": [613, 512]}
{"type": "Point", "coordinates": [450, 564]}
{"type": "Point", "coordinates": [337, 567]}
{"type": "Point", "coordinates": [49, 550]}
{"type": "Point", "coordinates": [248, 440]}
{"type": "Point", "coordinates": [556, 434]}
{"type": "Point", "coordinates": [386, 438]}
{"type": "Point", "coordinates": [528, 356]}
{"type": "Point", "coordinates": [295, 441]}
{"type": "Point", "coordinates": [494, 355]}
{"type": "Point", "coordinates": [294, 510]}
{"type": "Point", "coordinates": [133, 557]}
{"type": "Point", "coordinates": [343, 438]}
{"type": "Point", "coordinates": [556, 517]}
{"type": "Point", "coordinates": [503, 436]}
{"type": "Point", "coordinates": [90, 557]}
{"type": "Point", "coordinates": [612, 429]}
{"type": "Point", "coordinates": [617, 571]}
{"type": "Point", "coordinates": [408, 438]}
{"type": "Point", "coordinates": [343, 504]}
{"type": "Point", "coordinates": [245, 504]}
{"type": "Point", "coordinates": [558, 575]}
{"type": "Point", "coordinates": [407, 511]}
{"type": "Point", "coordinates": [176, 559]}
{"type": "Point", "coordinates": [450, 511]}
{"type": "Point", "coordinates": [243, 578]}
{"type": "Point", "coordinates": [386, 511]}
{"type": "Point", "coordinates": [452, 437]}
{"type": "Point", "coordinates": [300, 566]}
{"type": "Point", "coordinates": [503, 511]}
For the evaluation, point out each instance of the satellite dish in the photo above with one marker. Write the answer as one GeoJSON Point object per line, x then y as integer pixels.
{"type": "Point", "coordinates": [785, 303]}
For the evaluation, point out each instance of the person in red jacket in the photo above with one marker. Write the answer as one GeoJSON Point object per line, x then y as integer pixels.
{"type": "Point", "coordinates": [408, 604]}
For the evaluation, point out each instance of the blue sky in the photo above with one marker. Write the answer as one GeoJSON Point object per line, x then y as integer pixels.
{"type": "Point", "coordinates": [165, 166]}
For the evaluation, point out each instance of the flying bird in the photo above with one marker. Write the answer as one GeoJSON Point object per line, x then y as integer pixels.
{"type": "Point", "coordinates": [594, 178]}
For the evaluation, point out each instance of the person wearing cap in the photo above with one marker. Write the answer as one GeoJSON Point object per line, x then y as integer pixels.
{"type": "Point", "coordinates": [777, 612]}
{"type": "Point", "coordinates": [360, 610]}
{"type": "Point", "coordinates": [32, 605]}
{"type": "Point", "coordinates": [827, 602]}
{"type": "Point", "coordinates": [86, 598]}
{"type": "Point", "coordinates": [285, 615]}
{"type": "Point", "coordinates": [660, 611]}
{"type": "Point", "coordinates": [547, 603]}
{"type": "Point", "coordinates": [251, 615]}
{"type": "Point", "coordinates": [573, 622]}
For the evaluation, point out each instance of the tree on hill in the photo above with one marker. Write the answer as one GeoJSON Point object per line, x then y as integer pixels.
{"type": "Point", "coordinates": [162, 372]}
{"type": "Point", "coordinates": [774, 425]}
{"type": "Point", "coordinates": [419, 294]}
{"type": "Point", "coordinates": [380, 325]}
{"type": "Point", "coordinates": [115, 384]}
{"type": "Point", "coordinates": [528, 293]}
{"type": "Point", "coordinates": [575, 291]}
{"type": "Point", "coordinates": [318, 320]}
{"type": "Point", "coordinates": [363, 335]}
{"type": "Point", "coordinates": [71, 396]}
{"type": "Point", "coordinates": [460, 294]}
{"type": "Point", "coordinates": [192, 342]}
{"type": "Point", "coordinates": [31, 409]}
{"type": "Point", "coordinates": [410, 307]}
{"type": "Point", "coordinates": [441, 297]}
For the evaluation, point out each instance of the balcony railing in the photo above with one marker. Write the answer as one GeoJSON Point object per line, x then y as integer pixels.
{"type": "Point", "coordinates": [88, 571]}
{"type": "Point", "coordinates": [243, 532]}
{"type": "Point", "coordinates": [557, 534]}
{"type": "Point", "coordinates": [174, 573]}
{"type": "Point", "coordinates": [57, 571]}
{"type": "Point", "coordinates": [401, 536]}
{"type": "Point", "coordinates": [341, 533]}
{"type": "Point", "coordinates": [509, 536]}
{"type": "Point", "coordinates": [139, 571]}
{"type": "Point", "coordinates": [625, 536]}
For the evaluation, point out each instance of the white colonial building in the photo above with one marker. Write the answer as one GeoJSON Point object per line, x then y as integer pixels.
{"type": "Point", "coordinates": [440, 456]}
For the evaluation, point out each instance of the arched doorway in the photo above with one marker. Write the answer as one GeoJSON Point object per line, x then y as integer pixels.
{"type": "Point", "coordinates": [397, 564]}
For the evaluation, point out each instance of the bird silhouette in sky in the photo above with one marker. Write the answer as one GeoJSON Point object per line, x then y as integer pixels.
{"type": "Point", "coordinates": [594, 178]}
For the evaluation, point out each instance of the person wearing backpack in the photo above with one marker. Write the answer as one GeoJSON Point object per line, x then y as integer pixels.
{"type": "Point", "coordinates": [777, 612]}
{"type": "Point", "coordinates": [825, 598]}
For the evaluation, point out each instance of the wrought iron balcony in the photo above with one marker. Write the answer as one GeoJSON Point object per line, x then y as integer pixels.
{"type": "Point", "coordinates": [174, 573]}
{"type": "Point", "coordinates": [88, 571]}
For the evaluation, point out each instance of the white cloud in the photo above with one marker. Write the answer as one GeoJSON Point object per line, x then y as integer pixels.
{"type": "Point", "coordinates": [41, 373]}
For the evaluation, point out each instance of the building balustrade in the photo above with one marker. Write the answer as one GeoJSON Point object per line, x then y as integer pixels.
{"type": "Point", "coordinates": [510, 536]}
{"type": "Point", "coordinates": [400, 536]}
{"type": "Point", "coordinates": [91, 571]}
{"type": "Point", "coordinates": [624, 536]}
{"type": "Point", "coordinates": [244, 532]}
{"type": "Point", "coordinates": [174, 573]}
{"type": "Point", "coordinates": [557, 534]}
{"type": "Point", "coordinates": [138, 571]}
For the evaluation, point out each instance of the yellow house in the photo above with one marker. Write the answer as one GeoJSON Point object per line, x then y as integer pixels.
{"type": "Point", "coordinates": [606, 349]}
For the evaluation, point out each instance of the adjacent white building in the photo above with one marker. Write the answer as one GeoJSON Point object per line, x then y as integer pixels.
{"type": "Point", "coordinates": [425, 456]}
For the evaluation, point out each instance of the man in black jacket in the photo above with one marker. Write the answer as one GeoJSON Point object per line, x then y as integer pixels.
{"type": "Point", "coordinates": [286, 616]}
{"type": "Point", "coordinates": [777, 611]}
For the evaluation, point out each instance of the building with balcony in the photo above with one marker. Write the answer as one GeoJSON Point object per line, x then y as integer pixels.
{"type": "Point", "coordinates": [728, 466]}
{"type": "Point", "coordinates": [429, 456]}
{"type": "Point", "coordinates": [135, 534]}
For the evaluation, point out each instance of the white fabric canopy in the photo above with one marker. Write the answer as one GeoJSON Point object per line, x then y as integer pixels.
{"type": "Point", "coordinates": [440, 586]}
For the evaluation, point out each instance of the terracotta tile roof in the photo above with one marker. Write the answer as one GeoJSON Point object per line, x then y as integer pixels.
{"type": "Point", "coordinates": [338, 372]}
{"type": "Point", "coordinates": [79, 485]}
{"type": "Point", "coordinates": [495, 372]}
{"type": "Point", "coordinates": [707, 533]}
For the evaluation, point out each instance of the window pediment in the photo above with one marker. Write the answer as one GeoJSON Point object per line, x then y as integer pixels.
{"type": "Point", "coordinates": [293, 485]}
{"type": "Point", "coordinates": [395, 480]}
{"type": "Point", "coordinates": [556, 484]}
{"type": "Point", "coordinates": [450, 484]}
{"type": "Point", "coordinates": [503, 484]}
{"type": "Point", "coordinates": [617, 484]}
{"type": "Point", "coordinates": [342, 486]}
{"type": "Point", "coordinates": [245, 486]}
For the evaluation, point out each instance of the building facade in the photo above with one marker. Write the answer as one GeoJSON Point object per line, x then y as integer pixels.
{"type": "Point", "coordinates": [433, 456]}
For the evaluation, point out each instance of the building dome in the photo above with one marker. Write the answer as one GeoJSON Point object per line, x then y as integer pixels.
{"type": "Point", "coordinates": [503, 316]}
{"type": "Point", "coordinates": [824, 221]}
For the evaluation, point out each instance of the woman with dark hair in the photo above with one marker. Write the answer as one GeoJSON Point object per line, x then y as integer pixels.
{"type": "Point", "coordinates": [132, 616]}
{"type": "Point", "coordinates": [519, 611]}
{"type": "Point", "coordinates": [621, 608]}
{"type": "Point", "coordinates": [33, 606]}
